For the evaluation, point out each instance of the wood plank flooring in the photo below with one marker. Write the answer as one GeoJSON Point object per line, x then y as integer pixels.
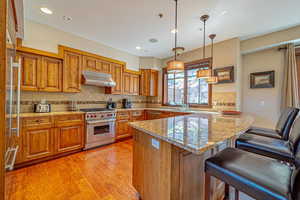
{"type": "Point", "coordinates": [104, 173]}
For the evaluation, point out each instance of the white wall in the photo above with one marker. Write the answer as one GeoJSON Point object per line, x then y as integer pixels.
{"type": "Point", "coordinates": [44, 37]}
{"type": "Point", "coordinates": [263, 104]}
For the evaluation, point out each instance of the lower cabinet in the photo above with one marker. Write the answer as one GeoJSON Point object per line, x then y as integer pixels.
{"type": "Point", "coordinates": [68, 138]}
{"type": "Point", "coordinates": [45, 137]}
{"type": "Point", "coordinates": [122, 129]}
{"type": "Point", "coordinates": [38, 143]}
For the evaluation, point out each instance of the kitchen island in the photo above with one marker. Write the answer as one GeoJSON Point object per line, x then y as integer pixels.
{"type": "Point", "coordinates": [169, 153]}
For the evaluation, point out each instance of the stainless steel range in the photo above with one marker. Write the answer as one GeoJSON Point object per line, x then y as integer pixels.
{"type": "Point", "coordinates": [100, 127]}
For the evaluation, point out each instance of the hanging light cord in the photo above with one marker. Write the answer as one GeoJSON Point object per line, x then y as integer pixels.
{"type": "Point", "coordinates": [204, 39]}
{"type": "Point", "coordinates": [176, 10]}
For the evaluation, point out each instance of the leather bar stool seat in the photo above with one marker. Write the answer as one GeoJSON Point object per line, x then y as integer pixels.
{"type": "Point", "coordinates": [257, 176]}
{"type": "Point", "coordinates": [283, 125]}
{"type": "Point", "coordinates": [288, 151]}
{"type": "Point", "coordinates": [270, 147]}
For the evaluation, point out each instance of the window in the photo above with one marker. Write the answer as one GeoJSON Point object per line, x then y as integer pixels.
{"type": "Point", "coordinates": [185, 88]}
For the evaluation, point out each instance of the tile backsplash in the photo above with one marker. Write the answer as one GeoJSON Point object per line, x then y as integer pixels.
{"type": "Point", "coordinates": [90, 96]}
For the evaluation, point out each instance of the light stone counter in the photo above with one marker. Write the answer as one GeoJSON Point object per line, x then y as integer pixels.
{"type": "Point", "coordinates": [196, 133]}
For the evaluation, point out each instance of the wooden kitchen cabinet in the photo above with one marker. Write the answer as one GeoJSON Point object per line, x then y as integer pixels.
{"type": "Point", "coordinates": [30, 71]}
{"type": "Point", "coordinates": [149, 82]}
{"type": "Point", "coordinates": [69, 133]}
{"type": "Point", "coordinates": [122, 128]}
{"type": "Point", "coordinates": [40, 73]}
{"type": "Point", "coordinates": [96, 65]}
{"type": "Point", "coordinates": [47, 137]}
{"type": "Point", "coordinates": [127, 83]}
{"type": "Point", "coordinates": [69, 138]}
{"type": "Point", "coordinates": [72, 72]}
{"type": "Point", "coordinates": [38, 143]}
{"type": "Point", "coordinates": [51, 75]}
{"type": "Point", "coordinates": [117, 76]}
{"type": "Point", "coordinates": [131, 84]}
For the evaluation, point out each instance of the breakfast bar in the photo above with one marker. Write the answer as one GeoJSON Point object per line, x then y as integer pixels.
{"type": "Point", "coordinates": [169, 153]}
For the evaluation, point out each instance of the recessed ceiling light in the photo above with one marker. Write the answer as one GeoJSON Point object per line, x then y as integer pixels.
{"type": "Point", "coordinates": [153, 40]}
{"type": "Point", "coordinates": [174, 31]}
{"type": "Point", "coordinates": [66, 18]}
{"type": "Point", "coordinates": [224, 12]}
{"type": "Point", "coordinates": [46, 10]}
{"type": "Point", "coordinates": [138, 48]}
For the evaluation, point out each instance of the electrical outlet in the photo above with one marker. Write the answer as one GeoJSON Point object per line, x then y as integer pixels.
{"type": "Point", "coordinates": [155, 143]}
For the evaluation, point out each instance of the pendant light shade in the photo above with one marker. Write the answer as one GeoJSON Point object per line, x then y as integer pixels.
{"type": "Point", "coordinates": [204, 73]}
{"type": "Point", "coordinates": [176, 65]}
{"type": "Point", "coordinates": [212, 80]}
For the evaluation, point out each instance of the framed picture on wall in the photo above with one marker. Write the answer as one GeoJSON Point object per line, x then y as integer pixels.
{"type": "Point", "coordinates": [225, 74]}
{"type": "Point", "coordinates": [262, 79]}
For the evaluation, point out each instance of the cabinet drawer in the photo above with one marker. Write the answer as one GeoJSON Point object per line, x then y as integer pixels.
{"type": "Point", "coordinates": [123, 115]}
{"type": "Point", "coordinates": [66, 120]}
{"type": "Point", "coordinates": [37, 121]}
{"type": "Point", "coordinates": [137, 115]}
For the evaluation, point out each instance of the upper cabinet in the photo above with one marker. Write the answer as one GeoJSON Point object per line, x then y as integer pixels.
{"type": "Point", "coordinates": [40, 73]}
{"type": "Point", "coordinates": [72, 72]}
{"type": "Point", "coordinates": [131, 83]}
{"type": "Point", "coordinates": [30, 71]}
{"type": "Point", "coordinates": [96, 65]}
{"type": "Point", "coordinates": [48, 72]}
{"type": "Point", "coordinates": [117, 76]}
{"type": "Point", "coordinates": [149, 82]}
{"type": "Point", "coordinates": [51, 75]}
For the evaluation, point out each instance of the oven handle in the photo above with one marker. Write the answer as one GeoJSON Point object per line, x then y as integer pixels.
{"type": "Point", "coordinates": [100, 121]}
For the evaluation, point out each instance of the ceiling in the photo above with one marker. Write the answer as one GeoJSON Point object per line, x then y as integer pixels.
{"type": "Point", "coordinates": [125, 24]}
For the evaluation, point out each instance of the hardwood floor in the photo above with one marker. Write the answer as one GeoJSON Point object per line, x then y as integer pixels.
{"type": "Point", "coordinates": [103, 173]}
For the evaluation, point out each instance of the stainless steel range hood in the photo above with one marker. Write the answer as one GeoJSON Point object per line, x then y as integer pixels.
{"type": "Point", "coordinates": [98, 79]}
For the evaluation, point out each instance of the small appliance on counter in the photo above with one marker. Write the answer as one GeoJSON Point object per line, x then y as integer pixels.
{"type": "Point", "coordinates": [42, 107]}
{"type": "Point", "coordinates": [111, 105]}
{"type": "Point", "coordinates": [126, 103]}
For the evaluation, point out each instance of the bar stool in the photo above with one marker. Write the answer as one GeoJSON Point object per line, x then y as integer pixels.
{"type": "Point", "coordinates": [257, 176]}
{"type": "Point", "coordinates": [271, 147]}
{"type": "Point", "coordinates": [283, 125]}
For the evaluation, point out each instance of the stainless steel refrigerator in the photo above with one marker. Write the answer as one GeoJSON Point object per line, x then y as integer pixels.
{"type": "Point", "coordinates": [12, 106]}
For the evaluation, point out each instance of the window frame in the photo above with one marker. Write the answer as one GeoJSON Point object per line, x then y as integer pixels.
{"type": "Point", "coordinates": [187, 66]}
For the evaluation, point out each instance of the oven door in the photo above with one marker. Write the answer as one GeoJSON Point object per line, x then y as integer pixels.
{"type": "Point", "coordinates": [100, 131]}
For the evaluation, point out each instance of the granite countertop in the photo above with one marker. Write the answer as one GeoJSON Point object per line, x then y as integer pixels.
{"type": "Point", "coordinates": [23, 115]}
{"type": "Point", "coordinates": [170, 110]}
{"type": "Point", "coordinates": [196, 133]}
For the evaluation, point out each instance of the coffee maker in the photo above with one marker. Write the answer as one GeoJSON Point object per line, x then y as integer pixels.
{"type": "Point", "coordinates": [126, 103]}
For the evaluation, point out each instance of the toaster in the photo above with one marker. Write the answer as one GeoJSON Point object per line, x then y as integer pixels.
{"type": "Point", "coordinates": [42, 108]}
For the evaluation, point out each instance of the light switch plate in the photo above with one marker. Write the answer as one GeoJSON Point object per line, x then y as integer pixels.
{"type": "Point", "coordinates": [155, 143]}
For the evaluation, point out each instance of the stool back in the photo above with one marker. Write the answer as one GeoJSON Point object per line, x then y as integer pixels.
{"type": "Point", "coordinates": [294, 140]}
{"type": "Point", "coordinates": [285, 121]}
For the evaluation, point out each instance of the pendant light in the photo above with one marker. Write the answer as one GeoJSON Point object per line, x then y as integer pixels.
{"type": "Point", "coordinates": [176, 65]}
{"type": "Point", "coordinates": [204, 73]}
{"type": "Point", "coordinates": [212, 79]}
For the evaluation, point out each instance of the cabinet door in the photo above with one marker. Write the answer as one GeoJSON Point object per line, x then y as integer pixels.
{"type": "Point", "coordinates": [154, 83]}
{"type": "Point", "coordinates": [145, 82]}
{"type": "Point", "coordinates": [123, 130]}
{"type": "Point", "coordinates": [105, 67]}
{"type": "Point", "coordinates": [127, 83]}
{"type": "Point", "coordinates": [68, 138]}
{"type": "Point", "coordinates": [135, 84]}
{"type": "Point", "coordinates": [117, 72]}
{"type": "Point", "coordinates": [30, 71]}
{"type": "Point", "coordinates": [89, 63]}
{"type": "Point", "coordinates": [72, 72]}
{"type": "Point", "coordinates": [38, 143]}
{"type": "Point", "coordinates": [51, 75]}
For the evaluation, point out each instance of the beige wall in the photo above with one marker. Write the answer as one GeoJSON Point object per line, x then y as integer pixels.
{"type": "Point", "coordinates": [271, 40]}
{"type": "Point", "coordinates": [264, 104]}
{"type": "Point", "coordinates": [150, 63]}
{"type": "Point", "coordinates": [43, 37]}
{"type": "Point", "coordinates": [226, 53]}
